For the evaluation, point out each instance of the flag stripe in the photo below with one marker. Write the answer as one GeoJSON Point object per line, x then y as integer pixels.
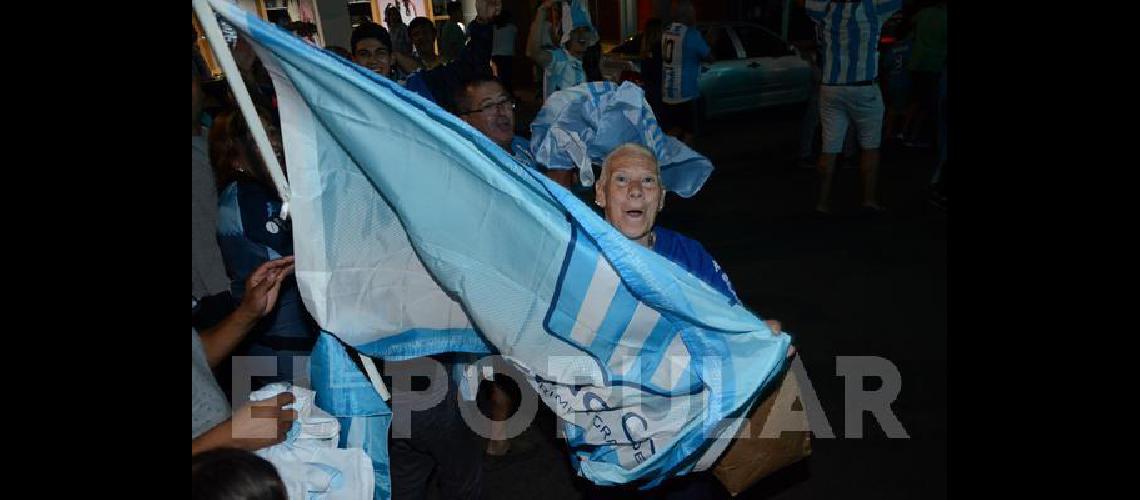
{"type": "Point", "coordinates": [673, 364]}
{"type": "Point", "coordinates": [642, 324]}
{"type": "Point", "coordinates": [603, 286]}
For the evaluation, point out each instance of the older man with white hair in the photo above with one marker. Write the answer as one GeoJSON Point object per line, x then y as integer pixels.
{"type": "Point", "coordinates": [630, 193]}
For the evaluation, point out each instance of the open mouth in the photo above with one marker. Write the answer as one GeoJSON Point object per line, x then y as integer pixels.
{"type": "Point", "coordinates": [635, 214]}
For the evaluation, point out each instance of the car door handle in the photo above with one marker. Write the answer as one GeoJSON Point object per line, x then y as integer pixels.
{"type": "Point", "coordinates": [754, 64]}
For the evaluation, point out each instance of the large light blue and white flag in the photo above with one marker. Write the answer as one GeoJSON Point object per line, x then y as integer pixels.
{"type": "Point", "coordinates": [415, 235]}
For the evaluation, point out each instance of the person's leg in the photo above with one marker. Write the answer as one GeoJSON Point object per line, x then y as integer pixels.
{"type": "Point", "coordinates": [694, 119]}
{"type": "Point", "coordinates": [419, 412]}
{"type": "Point", "coordinates": [501, 406]}
{"type": "Point", "coordinates": [808, 127]}
{"type": "Point", "coordinates": [914, 112]}
{"type": "Point", "coordinates": [849, 150]}
{"type": "Point", "coordinates": [834, 120]}
{"type": "Point", "coordinates": [925, 96]}
{"type": "Point", "coordinates": [867, 110]}
{"type": "Point", "coordinates": [409, 468]}
{"type": "Point", "coordinates": [457, 451]}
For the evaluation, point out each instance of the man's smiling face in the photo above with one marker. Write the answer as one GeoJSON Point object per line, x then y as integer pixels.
{"type": "Point", "coordinates": [490, 110]}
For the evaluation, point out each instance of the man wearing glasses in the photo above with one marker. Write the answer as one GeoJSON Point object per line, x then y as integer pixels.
{"type": "Point", "coordinates": [484, 104]}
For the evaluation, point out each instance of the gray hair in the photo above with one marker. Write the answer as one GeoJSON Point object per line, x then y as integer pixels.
{"type": "Point", "coordinates": [629, 148]}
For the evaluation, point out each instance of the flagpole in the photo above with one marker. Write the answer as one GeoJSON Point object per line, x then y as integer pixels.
{"type": "Point", "coordinates": [245, 103]}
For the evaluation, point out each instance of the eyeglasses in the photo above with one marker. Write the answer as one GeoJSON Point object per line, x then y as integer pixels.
{"type": "Point", "coordinates": [505, 103]}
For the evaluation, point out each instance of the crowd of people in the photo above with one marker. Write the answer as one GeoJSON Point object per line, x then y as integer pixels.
{"type": "Point", "coordinates": [246, 301]}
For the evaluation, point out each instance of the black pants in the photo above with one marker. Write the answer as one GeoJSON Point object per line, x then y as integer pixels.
{"type": "Point", "coordinates": [440, 443]}
{"type": "Point", "coordinates": [924, 89]}
{"type": "Point", "coordinates": [684, 116]}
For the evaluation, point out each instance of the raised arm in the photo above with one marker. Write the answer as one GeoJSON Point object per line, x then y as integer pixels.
{"type": "Point", "coordinates": [534, 48]}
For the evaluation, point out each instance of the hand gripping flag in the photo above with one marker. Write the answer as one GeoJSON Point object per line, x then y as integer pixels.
{"type": "Point", "coordinates": [416, 235]}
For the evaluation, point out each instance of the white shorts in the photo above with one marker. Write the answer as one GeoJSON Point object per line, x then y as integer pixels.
{"type": "Point", "coordinates": [840, 104]}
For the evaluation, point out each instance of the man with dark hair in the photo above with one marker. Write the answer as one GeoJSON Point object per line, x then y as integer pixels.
{"type": "Point", "coordinates": [372, 48]}
{"type": "Point", "coordinates": [422, 33]}
{"type": "Point", "coordinates": [484, 104]}
{"type": "Point", "coordinates": [232, 473]}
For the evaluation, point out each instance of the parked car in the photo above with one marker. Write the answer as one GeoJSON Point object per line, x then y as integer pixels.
{"type": "Point", "coordinates": [754, 68]}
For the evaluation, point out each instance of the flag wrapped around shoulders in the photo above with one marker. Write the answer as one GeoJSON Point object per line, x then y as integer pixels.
{"type": "Point", "coordinates": [416, 235]}
{"type": "Point", "coordinates": [582, 124]}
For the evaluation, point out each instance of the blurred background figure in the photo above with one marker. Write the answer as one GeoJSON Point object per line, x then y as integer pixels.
{"type": "Point", "coordinates": [503, 53]}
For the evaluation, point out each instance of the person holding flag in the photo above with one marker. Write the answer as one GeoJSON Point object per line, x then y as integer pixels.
{"type": "Point", "coordinates": [424, 237]}
{"type": "Point", "coordinates": [562, 65]}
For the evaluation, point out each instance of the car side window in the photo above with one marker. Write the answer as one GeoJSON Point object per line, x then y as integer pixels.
{"type": "Point", "coordinates": [759, 42]}
{"type": "Point", "coordinates": [720, 43]}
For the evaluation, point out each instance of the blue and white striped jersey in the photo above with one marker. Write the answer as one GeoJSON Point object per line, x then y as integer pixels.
{"type": "Point", "coordinates": [849, 36]}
